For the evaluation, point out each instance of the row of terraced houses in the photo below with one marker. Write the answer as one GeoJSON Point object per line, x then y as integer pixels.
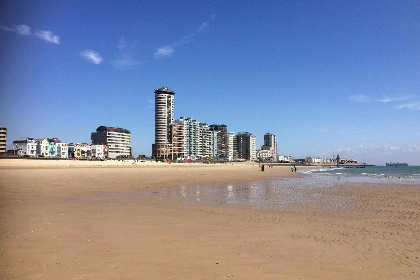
{"type": "Point", "coordinates": [107, 142]}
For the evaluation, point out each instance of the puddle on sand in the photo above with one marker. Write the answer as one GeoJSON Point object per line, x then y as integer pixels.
{"type": "Point", "coordinates": [268, 193]}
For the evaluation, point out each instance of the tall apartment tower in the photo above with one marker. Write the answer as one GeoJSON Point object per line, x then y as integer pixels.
{"type": "Point", "coordinates": [3, 136]}
{"type": "Point", "coordinates": [231, 146]}
{"type": "Point", "coordinates": [178, 140]}
{"type": "Point", "coordinates": [222, 141]}
{"type": "Point", "coordinates": [164, 117]}
{"type": "Point", "coordinates": [247, 145]}
{"type": "Point", "coordinates": [204, 143]}
{"type": "Point", "coordinates": [270, 143]}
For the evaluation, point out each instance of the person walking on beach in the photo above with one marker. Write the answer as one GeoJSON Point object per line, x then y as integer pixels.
{"type": "Point", "coordinates": [295, 167]}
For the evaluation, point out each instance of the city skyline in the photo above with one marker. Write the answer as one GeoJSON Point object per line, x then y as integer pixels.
{"type": "Point", "coordinates": [325, 78]}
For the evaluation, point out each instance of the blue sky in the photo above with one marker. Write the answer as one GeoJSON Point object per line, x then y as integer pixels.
{"type": "Point", "coordinates": [326, 77]}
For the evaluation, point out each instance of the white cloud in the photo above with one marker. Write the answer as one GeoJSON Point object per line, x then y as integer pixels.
{"type": "Point", "coordinates": [164, 51]}
{"type": "Point", "coordinates": [23, 29]}
{"type": "Point", "coordinates": [170, 49]}
{"type": "Point", "coordinates": [344, 150]}
{"type": "Point", "coordinates": [19, 29]}
{"type": "Point", "coordinates": [48, 36]}
{"type": "Point", "coordinates": [92, 56]}
{"type": "Point", "coordinates": [412, 106]}
{"type": "Point", "coordinates": [359, 98]}
{"type": "Point", "coordinates": [387, 99]}
{"type": "Point", "coordinates": [125, 59]}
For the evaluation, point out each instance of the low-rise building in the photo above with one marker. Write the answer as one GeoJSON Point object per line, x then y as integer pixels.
{"type": "Point", "coordinates": [62, 150]}
{"type": "Point", "coordinates": [70, 150]}
{"type": "Point", "coordinates": [42, 147]}
{"type": "Point", "coordinates": [52, 147]}
{"type": "Point", "coordinates": [25, 147]}
{"type": "Point", "coordinates": [285, 159]}
{"type": "Point", "coordinates": [77, 148]}
{"type": "Point", "coordinates": [318, 160]}
{"type": "Point", "coordinates": [347, 160]}
{"type": "Point", "coordinates": [99, 151]}
{"type": "Point", "coordinates": [86, 151]}
{"type": "Point", "coordinates": [264, 155]}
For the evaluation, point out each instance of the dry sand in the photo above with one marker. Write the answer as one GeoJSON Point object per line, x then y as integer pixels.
{"type": "Point", "coordinates": [91, 222]}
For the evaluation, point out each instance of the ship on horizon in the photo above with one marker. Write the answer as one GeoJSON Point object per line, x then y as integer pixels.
{"type": "Point", "coordinates": [396, 164]}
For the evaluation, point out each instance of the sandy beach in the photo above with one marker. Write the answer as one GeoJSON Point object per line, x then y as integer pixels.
{"type": "Point", "coordinates": [94, 220]}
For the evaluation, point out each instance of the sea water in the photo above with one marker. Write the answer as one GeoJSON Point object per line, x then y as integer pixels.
{"type": "Point", "coordinates": [400, 172]}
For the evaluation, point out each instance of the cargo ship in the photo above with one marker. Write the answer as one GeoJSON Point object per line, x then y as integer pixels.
{"type": "Point", "coordinates": [396, 164]}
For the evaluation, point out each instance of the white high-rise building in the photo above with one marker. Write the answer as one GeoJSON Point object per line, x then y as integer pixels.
{"type": "Point", "coordinates": [191, 138]}
{"type": "Point", "coordinates": [204, 141]}
{"type": "Point", "coordinates": [213, 144]}
{"type": "Point", "coordinates": [164, 117]}
{"type": "Point", "coordinates": [231, 148]}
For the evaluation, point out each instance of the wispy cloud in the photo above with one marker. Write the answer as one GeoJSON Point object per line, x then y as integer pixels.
{"type": "Point", "coordinates": [23, 29]}
{"type": "Point", "coordinates": [125, 59]}
{"type": "Point", "coordinates": [92, 56]}
{"type": "Point", "coordinates": [48, 36]}
{"type": "Point", "coordinates": [164, 51]}
{"type": "Point", "coordinates": [412, 106]}
{"type": "Point", "coordinates": [202, 26]}
{"type": "Point", "coordinates": [169, 49]}
{"type": "Point", "coordinates": [359, 98]}
{"type": "Point", "coordinates": [6, 28]}
{"type": "Point", "coordinates": [388, 99]}
{"type": "Point", "coordinates": [19, 29]}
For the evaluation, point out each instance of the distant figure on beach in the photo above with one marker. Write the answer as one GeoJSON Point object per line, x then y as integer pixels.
{"type": "Point", "coordinates": [292, 169]}
{"type": "Point", "coordinates": [295, 167]}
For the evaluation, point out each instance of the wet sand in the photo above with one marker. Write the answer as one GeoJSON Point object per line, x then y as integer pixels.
{"type": "Point", "coordinates": [117, 222]}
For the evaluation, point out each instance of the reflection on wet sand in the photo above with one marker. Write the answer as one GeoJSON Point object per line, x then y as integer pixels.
{"type": "Point", "coordinates": [264, 193]}
{"type": "Point", "coordinates": [274, 192]}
